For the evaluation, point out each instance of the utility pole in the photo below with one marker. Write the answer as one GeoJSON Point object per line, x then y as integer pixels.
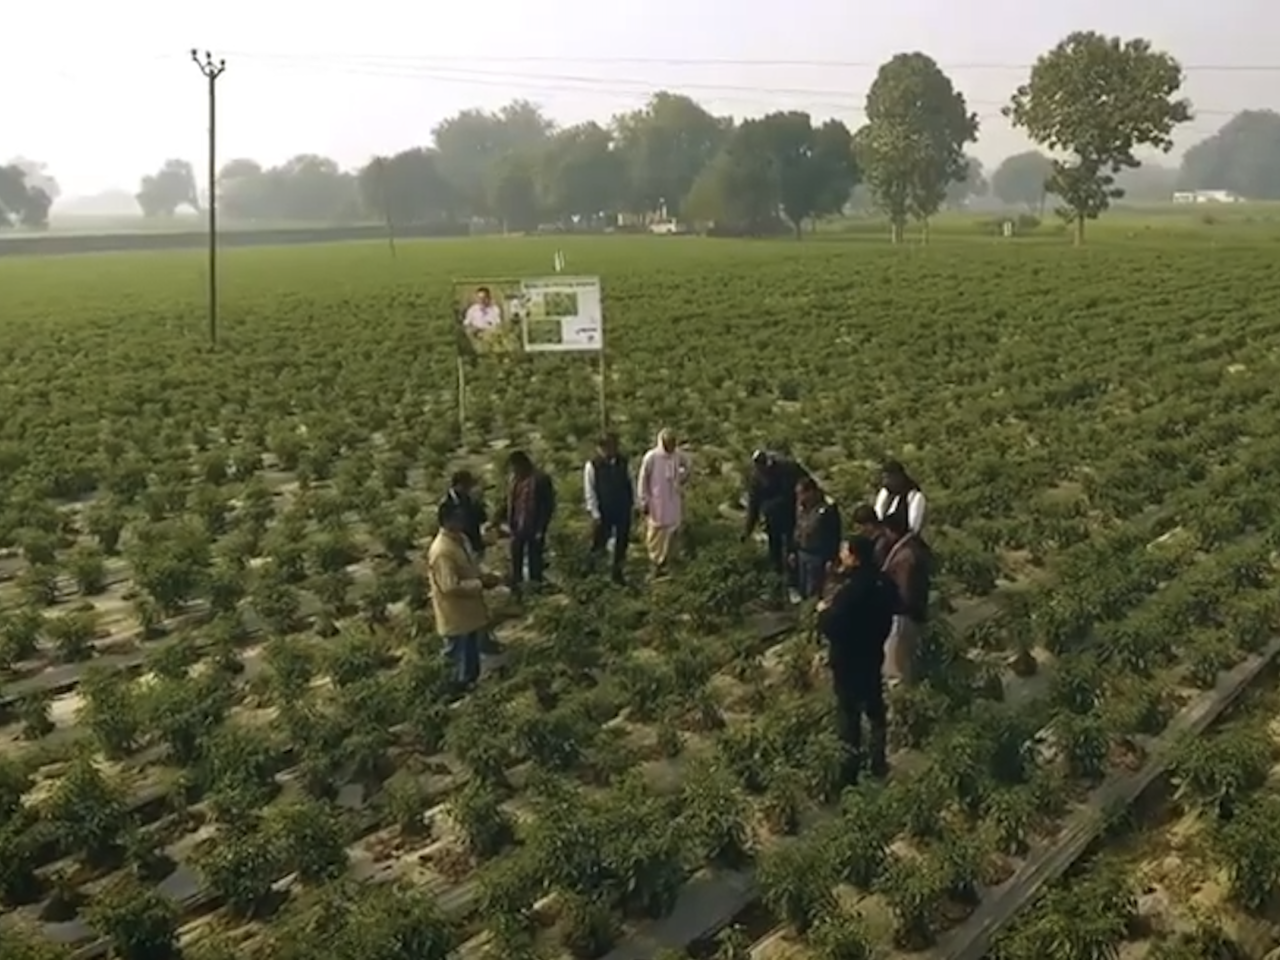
{"type": "Point", "coordinates": [385, 195]}
{"type": "Point", "coordinates": [212, 71]}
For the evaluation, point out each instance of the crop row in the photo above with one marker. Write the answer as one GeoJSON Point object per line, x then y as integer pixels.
{"type": "Point", "coordinates": [1192, 873]}
{"type": "Point", "coordinates": [1100, 464]}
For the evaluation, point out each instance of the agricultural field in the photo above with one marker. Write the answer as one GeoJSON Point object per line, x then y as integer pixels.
{"type": "Point", "coordinates": [226, 723]}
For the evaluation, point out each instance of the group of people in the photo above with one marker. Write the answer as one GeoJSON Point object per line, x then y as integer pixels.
{"type": "Point", "coordinates": [455, 560]}
{"type": "Point", "coordinates": [872, 586]}
{"type": "Point", "coordinates": [871, 583]}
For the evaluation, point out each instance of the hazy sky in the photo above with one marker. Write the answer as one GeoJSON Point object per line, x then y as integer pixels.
{"type": "Point", "coordinates": [104, 92]}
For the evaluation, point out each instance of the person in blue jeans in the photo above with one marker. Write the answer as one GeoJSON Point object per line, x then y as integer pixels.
{"type": "Point", "coordinates": [817, 538]}
{"type": "Point", "coordinates": [457, 594]}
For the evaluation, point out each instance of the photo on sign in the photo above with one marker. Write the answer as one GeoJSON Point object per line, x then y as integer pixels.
{"type": "Point", "coordinates": [489, 314]}
{"type": "Point", "coordinates": [548, 309]}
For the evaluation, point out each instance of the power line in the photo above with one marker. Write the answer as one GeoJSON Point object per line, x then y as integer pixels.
{"type": "Point", "coordinates": [852, 101]}
{"type": "Point", "coordinates": [428, 61]}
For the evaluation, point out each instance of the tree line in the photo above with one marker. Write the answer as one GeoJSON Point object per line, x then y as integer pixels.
{"type": "Point", "coordinates": [1089, 104]}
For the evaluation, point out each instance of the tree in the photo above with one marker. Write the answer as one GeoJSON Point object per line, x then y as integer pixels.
{"type": "Point", "coordinates": [37, 176]}
{"type": "Point", "coordinates": [22, 202]}
{"type": "Point", "coordinates": [912, 146]}
{"type": "Point", "coordinates": [1098, 98]}
{"type": "Point", "coordinates": [737, 191]}
{"type": "Point", "coordinates": [779, 162]}
{"type": "Point", "coordinates": [160, 194]}
{"type": "Point", "coordinates": [665, 147]}
{"type": "Point", "coordinates": [513, 192]}
{"type": "Point", "coordinates": [581, 173]}
{"type": "Point", "coordinates": [306, 188]}
{"type": "Point", "coordinates": [470, 146]}
{"type": "Point", "coordinates": [1022, 180]}
{"type": "Point", "coordinates": [974, 184]}
{"type": "Point", "coordinates": [1243, 157]}
{"type": "Point", "coordinates": [408, 187]}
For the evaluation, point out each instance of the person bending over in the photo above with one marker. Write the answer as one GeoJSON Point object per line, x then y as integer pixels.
{"type": "Point", "coordinates": [771, 497]}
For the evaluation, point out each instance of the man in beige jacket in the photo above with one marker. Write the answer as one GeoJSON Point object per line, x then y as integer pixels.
{"type": "Point", "coordinates": [457, 594]}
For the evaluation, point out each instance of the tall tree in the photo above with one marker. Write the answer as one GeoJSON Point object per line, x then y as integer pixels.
{"type": "Point", "coordinates": [665, 147]}
{"type": "Point", "coordinates": [513, 192]}
{"type": "Point", "coordinates": [407, 187]}
{"type": "Point", "coordinates": [912, 146]}
{"type": "Point", "coordinates": [581, 174]}
{"type": "Point", "coordinates": [470, 145]}
{"type": "Point", "coordinates": [161, 194]}
{"type": "Point", "coordinates": [1022, 180]}
{"type": "Point", "coordinates": [20, 202]}
{"type": "Point", "coordinates": [974, 184]}
{"type": "Point", "coordinates": [1098, 98]}
{"type": "Point", "coordinates": [1243, 157]}
{"type": "Point", "coordinates": [737, 191]}
{"type": "Point", "coordinates": [37, 176]}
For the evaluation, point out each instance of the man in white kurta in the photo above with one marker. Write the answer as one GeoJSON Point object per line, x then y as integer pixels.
{"type": "Point", "coordinates": [664, 471]}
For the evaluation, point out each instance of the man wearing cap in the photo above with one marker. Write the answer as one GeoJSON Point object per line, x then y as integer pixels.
{"type": "Point", "coordinates": [771, 497]}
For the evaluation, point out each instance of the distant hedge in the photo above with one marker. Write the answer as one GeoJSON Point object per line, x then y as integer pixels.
{"type": "Point", "coordinates": [53, 244]}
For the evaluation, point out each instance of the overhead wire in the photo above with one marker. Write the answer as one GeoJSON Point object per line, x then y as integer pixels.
{"type": "Point", "coordinates": [702, 62]}
{"type": "Point", "coordinates": [846, 100]}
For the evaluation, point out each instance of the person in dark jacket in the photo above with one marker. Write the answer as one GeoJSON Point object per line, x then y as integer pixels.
{"type": "Point", "coordinates": [867, 523]}
{"type": "Point", "coordinates": [855, 622]}
{"type": "Point", "coordinates": [908, 563]}
{"type": "Point", "coordinates": [464, 491]}
{"type": "Point", "coordinates": [771, 497]}
{"type": "Point", "coordinates": [611, 498]}
{"type": "Point", "coordinates": [531, 503]}
{"type": "Point", "coordinates": [817, 537]}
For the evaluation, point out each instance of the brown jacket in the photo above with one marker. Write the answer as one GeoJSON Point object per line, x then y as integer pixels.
{"type": "Point", "coordinates": [457, 590]}
{"type": "Point", "coordinates": [908, 565]}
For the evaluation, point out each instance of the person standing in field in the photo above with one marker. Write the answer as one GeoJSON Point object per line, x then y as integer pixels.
{"type": "Point", "coordinates": [531, 503]}
{"type": "Point", "coordinates": [664, 471]}
{"type": "Point", "coordinates": [457, 594]}
{"type": "Point", "coordinates": [855, 622]}
{"type": "Point", "coordinates": [817, 537]}
{"type": "Point", "coordinates": [611, 499]}
{"type": "Point", "coordinates": [771, 496]}
{"type": "Point", "coordinates": [866, 523]}
{"type": "Point", "coordinates": [900, 496]}
{"type": "Point", "coordinates": [464, 491]}
{"type": "Point", "coordinates": [908, 565]}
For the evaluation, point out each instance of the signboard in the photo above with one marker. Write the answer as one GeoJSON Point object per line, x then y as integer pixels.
{"type": "Point", "coordinates": [544, 315]}
{"type": "Point", "coordinates": [563, 314]}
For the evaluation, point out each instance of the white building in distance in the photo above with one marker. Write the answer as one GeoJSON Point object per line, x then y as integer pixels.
{"type": "Point", "coordinates": [1206, 196]}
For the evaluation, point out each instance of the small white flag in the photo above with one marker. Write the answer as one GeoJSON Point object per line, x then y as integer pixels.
{"type": "Point", "coordinates": [559, 261]}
